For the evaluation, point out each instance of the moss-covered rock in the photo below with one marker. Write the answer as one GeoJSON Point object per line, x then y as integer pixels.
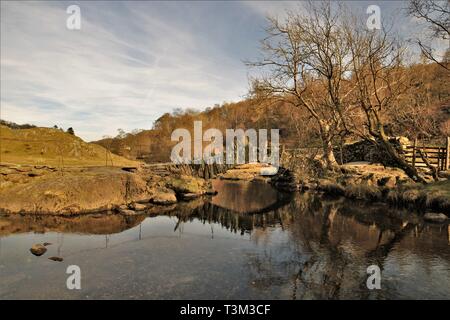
{"type": "Point", "coordinates": [163, 196]}
{"type": "Point", "coordinates": [186, 184]}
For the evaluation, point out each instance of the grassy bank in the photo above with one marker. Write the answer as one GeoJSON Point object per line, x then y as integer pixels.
{"type": "Point", "coordinates": [434, 196]}
{"type": "Point", "coordinates": [53, 147]}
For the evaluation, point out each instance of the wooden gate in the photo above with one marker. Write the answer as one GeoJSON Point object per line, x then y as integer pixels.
{"type": "Point", "coordinates": [437, 156]}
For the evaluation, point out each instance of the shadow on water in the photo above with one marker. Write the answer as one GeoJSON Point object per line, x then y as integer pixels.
{"type": "Point", "coordinates": [290, 246]}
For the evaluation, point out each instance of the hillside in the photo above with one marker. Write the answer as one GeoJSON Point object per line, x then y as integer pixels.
{"type": "Point", "coordinates": [422, 111]}
{"type": "Point", "coordinates": [49, 146]}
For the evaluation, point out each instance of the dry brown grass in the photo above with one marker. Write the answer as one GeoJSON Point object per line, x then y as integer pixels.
{"type": "Point", "coordinates": [48, 146]}
{"type": "Point", "coordinates": [363, 192]}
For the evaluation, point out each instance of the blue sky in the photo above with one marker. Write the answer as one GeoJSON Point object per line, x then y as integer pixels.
{"type": "Point", "coordinates": [131, 61]}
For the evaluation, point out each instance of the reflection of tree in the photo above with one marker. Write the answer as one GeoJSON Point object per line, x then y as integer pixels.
{"type": "Point", "coordinates": [381, 251]}
{"type": "Point", "coordinates": [319, 258]}
{"type": "Point", "coordinates": [207, 212]}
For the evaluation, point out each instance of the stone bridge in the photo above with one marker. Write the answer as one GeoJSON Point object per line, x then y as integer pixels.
{"type": "Point", "coordinates": [284, 179]}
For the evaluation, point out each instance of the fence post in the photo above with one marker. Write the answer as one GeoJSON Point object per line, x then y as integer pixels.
{"type": "Point", "coordinates": [414, 153]}
{"type": "Point", "coordinates": [447, 154]}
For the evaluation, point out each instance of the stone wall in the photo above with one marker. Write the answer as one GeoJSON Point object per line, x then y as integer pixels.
{"type": "Point", "coordinates": [205, 171]}
{"type": "Point", "coordinates": [364, 150]}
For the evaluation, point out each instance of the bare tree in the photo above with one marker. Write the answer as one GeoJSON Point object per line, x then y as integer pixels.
{"type": "Point", "coordinates": [437, 16]}
{"type": "Point", "coordinates": [306, 56]}
{"type": "Point", "coordinates": [378, 74]}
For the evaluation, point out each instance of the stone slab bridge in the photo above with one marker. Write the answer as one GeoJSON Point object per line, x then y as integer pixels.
{"type": "Point", "coordinates": [283, 180]}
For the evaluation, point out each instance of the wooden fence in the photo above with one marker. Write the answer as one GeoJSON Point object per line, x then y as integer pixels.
{"type": "Point", "coordinates": [437, 156]}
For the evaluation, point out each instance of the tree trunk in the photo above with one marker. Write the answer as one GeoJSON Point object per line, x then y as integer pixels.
{"type": "Point", "coordinates": [397, 158]}
{"type": "Point", "coordinates": [327, 146]}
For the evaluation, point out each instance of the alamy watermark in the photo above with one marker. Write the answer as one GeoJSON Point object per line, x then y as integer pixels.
{"type": "Point", "coordinates": [374, 279]}
{"type": "Point", "coordinates": [73, 22]}
{"type": "Point", "coordinates": [74, 280]}
{"type": "Point", "coordinates": [374, 20]}
{"type": "Point", "coordinates": [239, 143]}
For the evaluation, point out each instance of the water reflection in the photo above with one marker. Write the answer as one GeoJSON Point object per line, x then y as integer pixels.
{"type": "Point", "coordinates": [306, 247]}
{"type": "Point", "coordinates": [245, 197]}
{"type": "Point", "coordinates": [83, 224]}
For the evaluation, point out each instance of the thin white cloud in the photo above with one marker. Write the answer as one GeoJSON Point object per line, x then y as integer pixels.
{"type": "Point", "coordinates": [97, 77]}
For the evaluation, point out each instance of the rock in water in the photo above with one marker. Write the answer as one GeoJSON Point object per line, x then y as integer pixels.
{"type": "Point", "coordinates": [435, 217]}
{"type": "Point", "coordinates": [38, 249]}
{"type": "Point", "coordinates": [164, 196]}
{"type": "Point", "coordinates": [59, 259]}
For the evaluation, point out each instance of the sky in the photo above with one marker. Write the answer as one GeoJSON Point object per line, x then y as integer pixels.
{"type": "Point", "coordinates": [131, 62]}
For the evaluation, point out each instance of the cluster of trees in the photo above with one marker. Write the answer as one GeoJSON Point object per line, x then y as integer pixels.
{"type": "Point", "coordinates": [349, 79]}
{"type": "Point", "coordinates": [328, 79]}
{"type": "Point", "coordinates": [14, 125]}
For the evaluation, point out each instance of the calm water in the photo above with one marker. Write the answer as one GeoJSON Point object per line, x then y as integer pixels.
{"type": "Point", "coordinates": [247, 242]}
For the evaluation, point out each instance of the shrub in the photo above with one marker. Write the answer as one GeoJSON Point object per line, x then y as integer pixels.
{"type": "Point", "coordinates": [363, 192]}
{"type": "Point", "coordinates": [331, 188]}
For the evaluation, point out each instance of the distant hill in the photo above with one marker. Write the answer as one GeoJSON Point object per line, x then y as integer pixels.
{"type": "Point", "coordinates": [14, 125]}
{"type": "Point", "coordinates": [49, 146]}
{"type": "Point", "coordinates": [422, 112]}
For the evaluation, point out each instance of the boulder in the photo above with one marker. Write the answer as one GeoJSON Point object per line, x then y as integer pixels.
{"type": "Point", "coordinates": [186, 184]}
{"type": "Point", "coordinates": [164, 196]}
{"type": "Point", "coordinates": [38, 249]}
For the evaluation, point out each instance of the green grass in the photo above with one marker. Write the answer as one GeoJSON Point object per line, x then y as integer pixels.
{"type": "Point", "coordinates": [443, 187]}
{"type": "Point", "coordinates": [48, 146]}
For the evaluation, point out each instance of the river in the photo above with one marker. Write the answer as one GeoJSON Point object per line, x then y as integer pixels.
{"type": "Point", "coordinates": [247, 242]}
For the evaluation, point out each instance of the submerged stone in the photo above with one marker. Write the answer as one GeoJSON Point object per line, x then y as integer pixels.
{"type": "Point", "coordinates": [38, 249]}
{"type": "Point", "coordinates": [58, 259]}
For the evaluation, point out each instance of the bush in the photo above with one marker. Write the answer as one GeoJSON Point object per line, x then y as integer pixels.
{"type": "Point", "coordinates": [331, 188]}
{"type": "Point", "coordinates": [436, 200]}
{"type": "Point", "coordinates": [363, 192]}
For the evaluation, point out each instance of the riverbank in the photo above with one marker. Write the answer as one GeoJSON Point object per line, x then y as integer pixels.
{"type": "Point", "coordinates": [375, 183]}
{"type": "Point", "coordinates": [27, 189]}
{"type": "Point", "coordinates": [359, 181]}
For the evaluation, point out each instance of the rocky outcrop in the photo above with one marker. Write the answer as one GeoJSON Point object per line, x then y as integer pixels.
{"type": "Point", "coordinates": [74, 192]}
{"type": "Point", "coordinates": [164, 196]}
{"type": "Point", "coordinates": [85, 190]}
{"type": "Point", "coordinates": [186, 184]}
{"type": "Point", "coordinates": [358, 173]}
